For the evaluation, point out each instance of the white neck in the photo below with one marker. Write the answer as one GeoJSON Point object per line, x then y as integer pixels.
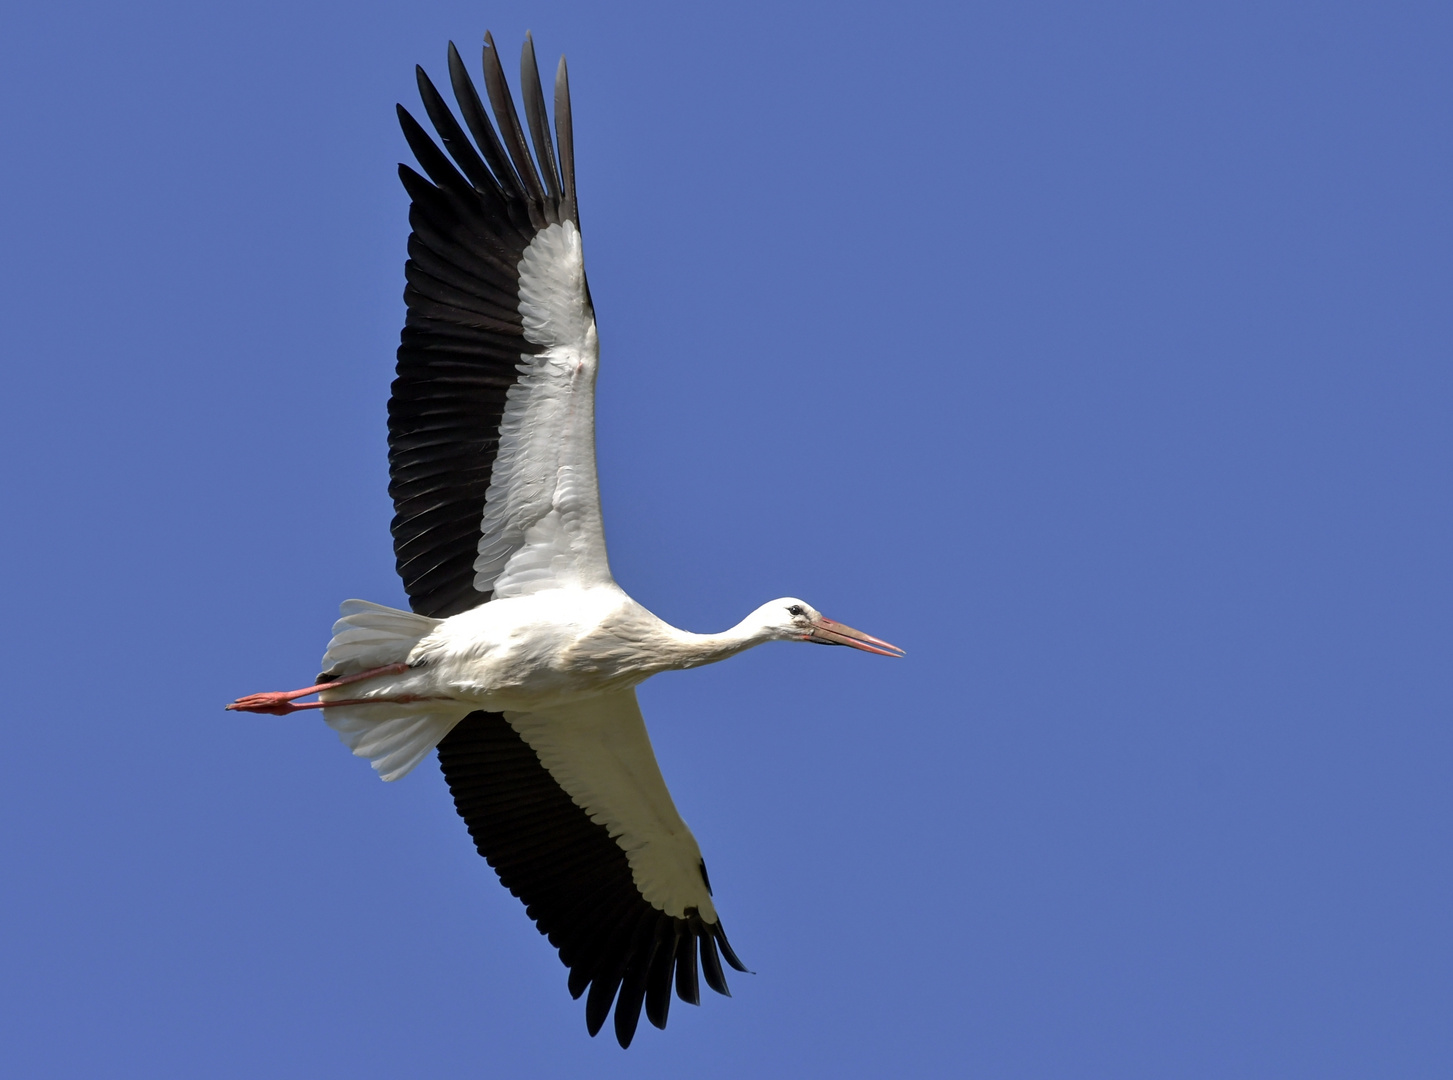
{"type": "Point", "coordinates": [688, 650]}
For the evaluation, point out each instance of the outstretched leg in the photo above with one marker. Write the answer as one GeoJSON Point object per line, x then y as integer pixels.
{"type": "Point", "coordinates": [280, 702]}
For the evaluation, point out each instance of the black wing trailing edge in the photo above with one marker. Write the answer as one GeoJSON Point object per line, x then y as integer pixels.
{"type": "Point", "coordinates": [472, 218]}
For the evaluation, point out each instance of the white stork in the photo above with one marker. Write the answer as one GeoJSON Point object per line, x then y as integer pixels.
{"type": "Point", "coordinates": [520, 658]}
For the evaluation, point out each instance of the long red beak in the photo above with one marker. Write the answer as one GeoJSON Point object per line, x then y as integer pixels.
{"type": "Point", "coordinates": [827, 632]}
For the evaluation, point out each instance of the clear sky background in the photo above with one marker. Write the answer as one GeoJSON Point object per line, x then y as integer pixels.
{"type": "Point", "coordinates": [1099, 355]}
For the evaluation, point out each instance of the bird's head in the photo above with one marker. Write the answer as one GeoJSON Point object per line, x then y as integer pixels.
{"type": "Point", "coordinates": [791, 619]}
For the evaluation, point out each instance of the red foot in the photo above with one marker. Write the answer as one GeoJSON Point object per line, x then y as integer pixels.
{"type": "Point", "coordinates": [275, 704]}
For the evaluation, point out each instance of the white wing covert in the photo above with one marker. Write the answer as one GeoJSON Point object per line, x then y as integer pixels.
{"type": "Point", "coordinates": [541, 525]}
{"type": "Point", "coordinates": [599, 752]}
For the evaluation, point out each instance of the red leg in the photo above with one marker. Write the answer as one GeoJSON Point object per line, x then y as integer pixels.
{"type": "Point", "coordinates": [287, 707]}
{"type": "Point", "coordinates": [280, 702]}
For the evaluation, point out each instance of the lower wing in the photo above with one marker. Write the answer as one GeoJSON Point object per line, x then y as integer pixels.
{"type": "Point", "coordinates": [569, 807]}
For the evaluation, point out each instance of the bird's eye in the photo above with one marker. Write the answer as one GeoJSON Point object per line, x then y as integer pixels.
{"type": "Point", "coordinates": [795, 609]}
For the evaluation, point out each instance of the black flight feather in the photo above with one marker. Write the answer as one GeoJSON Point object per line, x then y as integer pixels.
{"type": "Point", "coordinates": [453, 138]}
{"type": "Point", "coordinates": [436, 166]}
{"type": "Point", "coordinates": [687, 988]}
{"type": "Point", "coordinates": [711, 965]}
{"type": "Point", "coordinates": [663, 964]}
{"type": "Point", "coordinates": [719, 935]}
{"type": "Point", "coordinates": [509, 123]}
{"type": "Point", "coordinates": [565, 136]}
{"type": "Point", "coordinates": [534, 98]}
{"type": "Point", "coordinates": [480, 127]}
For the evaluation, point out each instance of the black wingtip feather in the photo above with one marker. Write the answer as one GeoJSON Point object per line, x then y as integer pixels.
{"type": "Point", "coordinates": [726, 950]}
{"type": "Point", "coordinates": [478, 122]}
{"type": "Point", "coordinates": [508, 120]}
{"type": "Point", "coordinates": [565, 136]}
{"type": "Point", "coordinates": [436, 166]}
{"type": "Point", "coordinates": [598, 1003]}
{"type": "Point", "coordinates": [711, 965]}
{"type": "Point", "coordinates": [633, 986]}
{"type": "Point", "coordinates": [534, 98]}
{"type": "Point", "coordinates": [579, 980]}
{"type": "Point", "coordinates": [611, 967]}
{"type": "Point", "coordinates": [658, 980]}
{"type": "Point", "coordinates": [687, 988]}
{"type": "Point", "coordinates": [453, 137]}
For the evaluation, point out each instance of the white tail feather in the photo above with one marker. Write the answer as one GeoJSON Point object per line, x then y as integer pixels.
{"type": "Point", "coordinates": [394, 737]}
{"type": "Point", "coordinates": [371, 635]}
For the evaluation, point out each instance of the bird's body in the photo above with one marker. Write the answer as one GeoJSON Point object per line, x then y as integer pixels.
{"type": "Point", "coordinates": [520, 658]}
{"type": "Point", "coordinates": [552, 648]}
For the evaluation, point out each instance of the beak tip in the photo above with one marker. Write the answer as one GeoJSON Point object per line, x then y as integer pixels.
{"type": "Point", "coordinates": [829, 632]}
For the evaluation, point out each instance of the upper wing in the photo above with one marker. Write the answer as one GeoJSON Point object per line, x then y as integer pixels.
{"type": "Point", "coordinates": [569, 807]}
{"type": "Point", "coordinates": [492, 418]}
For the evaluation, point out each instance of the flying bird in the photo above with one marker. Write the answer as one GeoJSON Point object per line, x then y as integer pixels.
{"type": "Point", "coordinates": [520, 658]}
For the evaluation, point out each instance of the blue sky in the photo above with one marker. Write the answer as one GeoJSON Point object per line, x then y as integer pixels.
{"type": "Point", "coordinates": [1098, 355]}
